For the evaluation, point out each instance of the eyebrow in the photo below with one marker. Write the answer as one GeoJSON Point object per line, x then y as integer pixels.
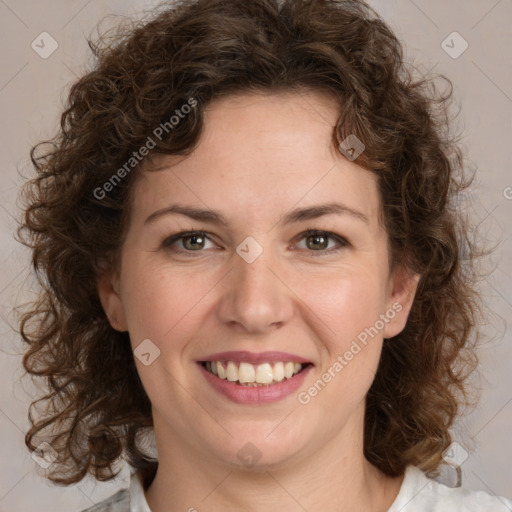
{"type": "Point", "coordinates": [295, 216]}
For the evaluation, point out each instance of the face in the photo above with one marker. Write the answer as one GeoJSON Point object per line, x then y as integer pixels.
{"type": "Point", "coordinates": [258, 285]}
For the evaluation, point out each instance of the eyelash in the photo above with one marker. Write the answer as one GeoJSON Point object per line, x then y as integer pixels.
{"type": "Point", "coordinates": [168, 242]}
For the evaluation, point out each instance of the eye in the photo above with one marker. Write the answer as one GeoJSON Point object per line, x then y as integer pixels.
{"type": "Point", "coordinates": [190, 241]}
{"type": "Point", "coordinates": [318, 241]}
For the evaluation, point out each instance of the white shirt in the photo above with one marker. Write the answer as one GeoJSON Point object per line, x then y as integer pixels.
{"type": "Point", "coordinates": [418, 493]}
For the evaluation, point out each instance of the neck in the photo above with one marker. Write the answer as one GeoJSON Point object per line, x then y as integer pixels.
{"type": "Point", "coordinates": [333, 477]}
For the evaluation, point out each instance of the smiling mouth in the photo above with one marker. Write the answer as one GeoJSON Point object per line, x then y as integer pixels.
{"type": "Point", "coordinates": [247, 374]}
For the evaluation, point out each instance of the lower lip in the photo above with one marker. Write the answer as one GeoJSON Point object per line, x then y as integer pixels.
{"type": "Point", "coordinates": [255, 395]}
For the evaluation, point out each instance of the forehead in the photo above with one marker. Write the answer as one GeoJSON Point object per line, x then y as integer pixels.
{"type": "Point", "coordinates": [264, 154]}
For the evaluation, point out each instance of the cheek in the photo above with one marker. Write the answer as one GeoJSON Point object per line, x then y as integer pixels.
{"type": "Point", "coordinates": [159, 301]}
{"type": "Point", "coordinates": [347, 301]}
{"type": "Point", "coordinates": [347, 310]}
{"type": "Point", "coordinates": [167, 304]}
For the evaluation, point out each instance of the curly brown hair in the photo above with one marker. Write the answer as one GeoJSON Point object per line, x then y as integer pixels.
{"type": "Point", "coordinates": [95, 405]}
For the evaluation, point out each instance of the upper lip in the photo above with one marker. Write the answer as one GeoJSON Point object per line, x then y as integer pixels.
{"type": "Point", "coordinates": [244, 356]}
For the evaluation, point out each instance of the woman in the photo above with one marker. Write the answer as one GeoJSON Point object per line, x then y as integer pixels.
{"type": "Point", "coordinates": [246, 245]}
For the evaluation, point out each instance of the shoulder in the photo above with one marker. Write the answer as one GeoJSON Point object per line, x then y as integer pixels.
{"type": "Point", "coordinates": [422, 494]}
{"type": "Point", "coordinates": [126, 500]}
{"type": "Point", "coordinates": [119, 502]}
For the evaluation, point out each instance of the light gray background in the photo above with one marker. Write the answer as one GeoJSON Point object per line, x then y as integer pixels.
{"type": "Point", "coordinates": [31, 91]}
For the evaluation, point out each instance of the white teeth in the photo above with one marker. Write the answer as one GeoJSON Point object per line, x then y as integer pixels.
{"type": "Point", "coordinates": [232, 371]}
{"type": "Point", "coordinates": [279, 372]}
{"type": "Point", "coordinates": [246, 373]}
{"type": "Point", "coordinates": [220, 369]}
{"type": "Point", "coordinates": [264, 373]}
{"type": "Point", "coordinates": [249, 374]}
{"type": "Point", "coordinates": [288, 369]}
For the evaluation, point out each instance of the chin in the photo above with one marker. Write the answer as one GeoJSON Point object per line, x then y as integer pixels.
{"type": "Point", "coordinates": [259, 454]}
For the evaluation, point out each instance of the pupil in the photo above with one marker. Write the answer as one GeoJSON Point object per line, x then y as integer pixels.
{"type": "Point", "coordinates": [194, 237]}
{"type": "Point", "coordinates": [316, 238]}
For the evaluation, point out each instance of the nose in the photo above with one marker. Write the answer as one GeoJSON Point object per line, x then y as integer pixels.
{"type": "Point", "coordinates": [256, 297]}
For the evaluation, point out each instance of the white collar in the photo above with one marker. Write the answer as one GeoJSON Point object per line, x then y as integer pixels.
{"type": "Point", "coordinates": [138, 501]}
